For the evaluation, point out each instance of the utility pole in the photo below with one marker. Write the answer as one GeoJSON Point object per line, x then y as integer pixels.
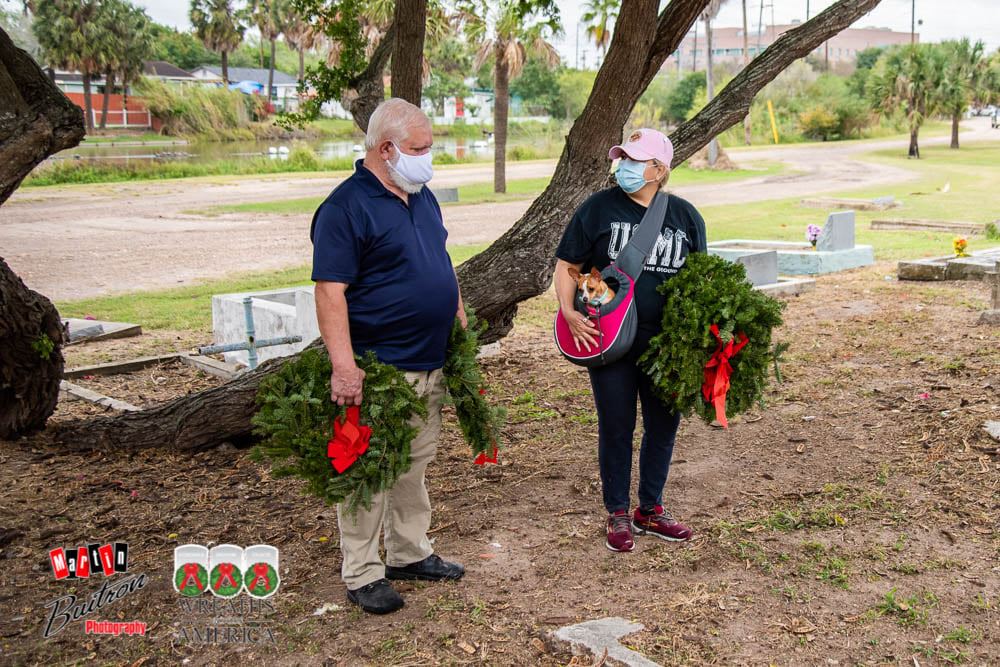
{"type": "Point", "coordinates": [694, 51]}
{"type": "Point", "coordinates": [913, 22]}
{"type": "Point", "coordinates": [807, 10]}
{"type": "Point", "coordinates": [578, 45]}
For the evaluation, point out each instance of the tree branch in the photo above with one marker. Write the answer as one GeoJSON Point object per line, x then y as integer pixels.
{"type": "Point", "coordinates": [367, 90]}
{"type": "Point", "coordinates": [733, 103]}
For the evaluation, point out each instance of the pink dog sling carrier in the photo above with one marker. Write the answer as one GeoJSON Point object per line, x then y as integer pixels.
{"type": "Point", "coordinates": [616, 320]}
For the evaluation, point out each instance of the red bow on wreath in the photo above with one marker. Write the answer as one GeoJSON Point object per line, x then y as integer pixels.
{"type": "Point", "coordinates": [717, 372]}
{"type": "Point", "coordinates": [482, 459]}
{"type": "Point", "coordinates": [349, 441]}
{"type": "Point", "coordinates": [225, 576]}
{"type": "Point", "coordinates": [260, 576]}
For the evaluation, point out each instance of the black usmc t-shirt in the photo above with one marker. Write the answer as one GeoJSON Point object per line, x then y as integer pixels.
{"type": "Point", "coordinates": [602, 226]}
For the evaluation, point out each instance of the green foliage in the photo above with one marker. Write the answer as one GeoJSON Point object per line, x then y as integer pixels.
{"type": "Point", "coordinates": [217, 23]}
{"type": "Point", "coordinates": [904, 80]}
{"type": "Point", "coordinates": [682, 97]}
{"type": "Point", "coordinates": [963, 75]}
{"type": "Point", "coordinates": [181, 48]}
{"type": "Point", "coordinates": [211, 112]}
{"type": "Point", "coordinates": [302, 158]}
{"type": "Point", "coordinates": [710, 290]}
{"type": "Point", "coordinates": [341, 25]}
{"type": "Point", "coordinates": [295, 419]}
{"type": "Point", "coordinates": [538, 88]}
{"type": "Point", "coordinates": [992, 232]}
{"type": "Point", "coordinates": [574, 90]}
{"type": "Point", "coordinates": [44, 346]}
{"type": "Point", "coordinates": [479, 421]}
{"type": "Point", "coordinates": [818, 123]}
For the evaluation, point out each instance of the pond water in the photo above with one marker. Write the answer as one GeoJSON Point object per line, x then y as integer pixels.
{"type": "Point", "coordinates": [125, 151]}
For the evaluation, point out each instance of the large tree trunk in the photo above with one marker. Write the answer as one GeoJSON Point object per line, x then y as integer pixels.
{"type": "Point", "coordinates": [367, 90]}
{"type": "Point", "coordinates": [37, 121]}
{"type": "Point", "coordinates": [88, 103]}
{"type": "Point", "coordinates": [501, 105]}
{"type": "Point", "coordinates": [109, 82]}
{"type": "Point", "coordinates": [955, 118]}
{"type": "Point", "coordinates": [408, 49]}
{"type": "Point", "coordinates": [522, 259]}
{"type": "Point", "coordinates": [914, 151]}
{"type": "Point", "coordinates": [225, 67]}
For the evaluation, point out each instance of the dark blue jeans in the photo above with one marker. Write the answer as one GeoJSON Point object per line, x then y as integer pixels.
{"type": "Point", "coordinates": [616, 387]}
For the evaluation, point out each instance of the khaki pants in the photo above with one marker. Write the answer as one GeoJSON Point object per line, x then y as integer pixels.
{"type": "Point", "coordinates": [404, 511]}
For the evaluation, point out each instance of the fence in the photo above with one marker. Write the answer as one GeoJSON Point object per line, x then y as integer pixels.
{"type": "Point", "coordinates": [121, 113]}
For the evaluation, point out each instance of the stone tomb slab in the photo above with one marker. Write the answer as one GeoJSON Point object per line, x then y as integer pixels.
{"type": "Point", "coordinates": [974, 267]}
{"type": "Point", "coordinates": [81, 330]}
{"type": "Point", "coordinates": [877, 204]}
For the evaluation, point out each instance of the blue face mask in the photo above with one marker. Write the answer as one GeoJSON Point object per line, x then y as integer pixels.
{"type": "Point", "coordinates": [631, 175]}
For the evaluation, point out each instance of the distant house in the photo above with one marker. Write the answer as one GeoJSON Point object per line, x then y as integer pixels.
{"type": "Point", "coordinates": [284, 89]}
{"type": "Point", "coordinates": [164, 71]}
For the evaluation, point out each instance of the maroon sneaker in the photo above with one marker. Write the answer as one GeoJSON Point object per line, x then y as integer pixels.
{"type": "Point", "coordinates": [620, 532]}
{"type": "Point", "coordinates": [660, 524]}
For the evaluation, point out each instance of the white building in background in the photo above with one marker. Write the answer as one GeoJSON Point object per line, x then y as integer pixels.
{"type": "Point", "coordinates": [284, 88]}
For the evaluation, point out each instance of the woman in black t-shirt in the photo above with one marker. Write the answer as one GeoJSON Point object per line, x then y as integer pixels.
{"type": "Point", "coordinates": [600, 228]}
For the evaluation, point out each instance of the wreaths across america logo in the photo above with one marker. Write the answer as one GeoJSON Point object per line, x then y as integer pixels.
{"type": "Point", "coordinates": [226, 570]}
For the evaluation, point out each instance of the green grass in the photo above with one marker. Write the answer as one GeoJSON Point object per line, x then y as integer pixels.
{"type": "Point", "coordinates": [973, 196]}
{"type": "Point", "coordinates": [190, 308]}
{"type": "Point", "coordinates": [482, 193]}
{"type": "Point", "coordinates": [147, 137]}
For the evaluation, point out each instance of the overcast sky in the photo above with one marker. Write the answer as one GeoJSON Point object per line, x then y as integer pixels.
{"type": "Point", "coordinates": [943, 19]}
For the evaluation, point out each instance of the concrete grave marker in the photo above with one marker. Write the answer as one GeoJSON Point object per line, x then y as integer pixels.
{"type": "Point", "coordinates": [604, 633]}
{"type": "Point", "coordinates": [838, 232]}
{"type": "Point", "coordinates": [762, 267]}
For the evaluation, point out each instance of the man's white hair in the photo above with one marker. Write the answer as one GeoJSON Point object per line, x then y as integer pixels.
{"type": "Point", "coordinates": [392, 121]}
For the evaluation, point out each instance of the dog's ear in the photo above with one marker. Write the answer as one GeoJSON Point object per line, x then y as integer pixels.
{"type": "Point", "coordinates": [595, 274]}
{"type": "Point", "coordinates": [573, 273]}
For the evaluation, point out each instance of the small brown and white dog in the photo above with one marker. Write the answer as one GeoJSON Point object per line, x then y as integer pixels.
{"type": "Point", "coordinates": [594, 291]}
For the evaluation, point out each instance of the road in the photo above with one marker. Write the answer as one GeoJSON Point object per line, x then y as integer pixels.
{"type": "Point", "coordinates": [79, 241]}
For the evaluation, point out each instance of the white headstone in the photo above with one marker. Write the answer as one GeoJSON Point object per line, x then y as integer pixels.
{"type": "Point", "coordinates": [762, 267]}
{"type": "Point", "coordinates": [838, 232]}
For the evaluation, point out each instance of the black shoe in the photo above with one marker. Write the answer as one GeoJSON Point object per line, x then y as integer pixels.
{"type": "Point", "coordinates": [377, 597]}
{"type": "Point", "coordinates": [431, 568]}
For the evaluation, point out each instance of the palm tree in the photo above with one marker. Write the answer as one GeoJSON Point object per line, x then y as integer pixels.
{"type": "Point", "coordinates": [906, 78]}
{"type": "Point", "coordinates": [70, 34]}
{"type": "Point", "coordinates": [129, 41]}
{"type": "Point", "coordinates": [298, 37]}
{"type": "Point", "coordinates": [506, 30]}
{"type": "Point", "coordinates": [271, 17]}
{"type": "Point", "coordinates": [217, 24]}
{"type": "Point", "coordinates": [599, 16]}
{"type": "Point", "coordinates": [961, 80]}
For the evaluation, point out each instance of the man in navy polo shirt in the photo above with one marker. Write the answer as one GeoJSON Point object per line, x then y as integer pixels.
{"type": "Point", "coordinates": [385, 283]}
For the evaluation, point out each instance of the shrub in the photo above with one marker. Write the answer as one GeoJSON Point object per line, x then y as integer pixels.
{"type": "Point", "coordinates": [819, 123]}
{"type": "Point", "coordinates": [302, 158]}
{"type": "Point", "coordinates": [198, 110]}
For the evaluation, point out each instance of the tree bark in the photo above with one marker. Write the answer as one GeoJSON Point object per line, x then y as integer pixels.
{"type": "Point", "coordinates": [88, 104]}
{"type": "Point", "coordinates": [37, 121]}
{"type": "Point", "coordinates": [914, 151]}
{"type": "Point", "coordinates": [501, 105]}
{"type": "Point", "coordinates": [408, 49]}
{"type": "Point", "coordinates": [225, 67]}
{"type": "Point", "coordinates": [955, 118]}
{"type": "Point", "coordinates": [522, 259]}
{"type": "Point", "coordinates": [109, 82]}
{"type": "Point", "coordinates": [302, 64]}
{"type": "Point", "coordinates": [367, 90]}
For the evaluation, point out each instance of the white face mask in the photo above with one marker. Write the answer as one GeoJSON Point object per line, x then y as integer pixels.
{"type": "Point", "coordinates": [417, 169]}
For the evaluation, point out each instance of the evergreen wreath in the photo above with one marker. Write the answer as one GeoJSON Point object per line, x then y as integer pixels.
{"type": "Point", "coordinates": [296, 419]}
{"type": "Point", "coordinates": [479, 421]}
{"type": "Point", "coordinates": [710, 291]}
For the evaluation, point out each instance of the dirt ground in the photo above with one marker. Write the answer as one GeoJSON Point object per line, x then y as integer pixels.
{"type": "Point", "coordinates": [854, 520]}
{"type": "Point", "coordinates": [81, 241]}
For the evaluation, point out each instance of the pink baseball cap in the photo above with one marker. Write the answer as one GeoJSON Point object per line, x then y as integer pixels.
{"type": "Point", "coordinates": [645, 144]}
